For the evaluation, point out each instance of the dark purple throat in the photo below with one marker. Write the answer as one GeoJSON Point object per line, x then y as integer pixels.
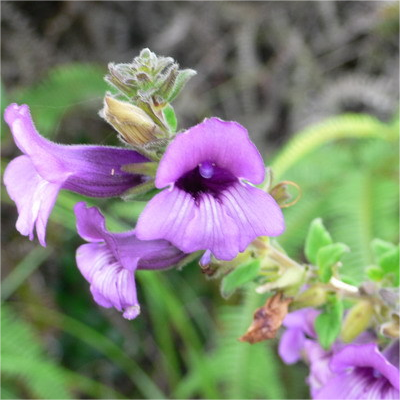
{"type": "Point", "coordinates": [206, 178]}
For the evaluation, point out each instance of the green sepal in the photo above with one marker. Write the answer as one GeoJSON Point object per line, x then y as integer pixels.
{"type": "Point", "coordinates": [170, 117]}
{"type": "Point", "coordinates": [144, 168]}
{"type": "Point", "coordinates": [239, 276]}
{"type": "Point", "coordinates": [317, 238]}
{"type": "Point", "coordinates": [180, 81]}
{"type": "Point", "coordinates": [142, 192]}
{"type": "Point", "coordinates": [328, 323]}
{"type": "Point", "coordinates": [327, 257]}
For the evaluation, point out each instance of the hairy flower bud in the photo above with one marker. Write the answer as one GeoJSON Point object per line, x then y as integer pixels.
{"type": "Point", "coordinates": [149, 79]}
{"type": "Point", "coordinates": [357, 320]}
{"type": "Point", "coordinates": [315, 296]}
{"type": "Point", "coordinates": [132, 123]}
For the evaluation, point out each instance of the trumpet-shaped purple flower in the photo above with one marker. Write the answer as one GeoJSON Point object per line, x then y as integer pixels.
{"type": "Point", "coordinates": [108, 262]}
{"type": "Point", "coordinates": [362, 372]}
{"type": "Point", "coordinates": [34, 179]}
{"type": "Point", "coordinates": [209, 204]}
{"type": "Point", "coordinates": [300, 325]}
{"type": "Point", "coordinates": [356, 371]}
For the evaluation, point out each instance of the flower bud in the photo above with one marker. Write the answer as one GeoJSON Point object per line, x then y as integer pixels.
{"type": "Point", "coordinates": [357, 320]}
{"type": "Point", "coordinates": [132, 123]}
{"type": "Point", "coordinates": [315, 296]}
{"type": "Point", "coordinates": [291, 278]}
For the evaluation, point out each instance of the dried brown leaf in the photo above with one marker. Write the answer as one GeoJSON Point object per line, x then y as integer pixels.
{"type": "Point", "coordinates": [267, 319]}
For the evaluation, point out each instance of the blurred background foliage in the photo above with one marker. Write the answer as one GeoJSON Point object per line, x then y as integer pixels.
{"type": "Point", "coordinates": [315, 83]}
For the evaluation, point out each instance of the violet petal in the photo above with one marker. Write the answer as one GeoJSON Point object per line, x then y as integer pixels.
{"type": "Point", "coordinates": [89, 170]}
{"type": "Point", "coordinates": [225, 143]}
{"type": "Point", "coordinates": [130, 252]}
{"type": "Point", "coordinates": [34, 196]}
{"type": "Point", "coordinates": [291, 345]}
{"type": "Point", "coordinates": [365, 355]}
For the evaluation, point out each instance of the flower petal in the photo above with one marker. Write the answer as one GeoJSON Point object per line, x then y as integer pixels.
{"type": "Point", "coordinates": [89, 170]}
{"type": "Point", "coordinates": [291, 345]}
{"type": "Point", "coordinates": [365, 355]}
{"type": "Point", "coordinates": [225, 225]}
{"type": "Point", "coordinates": [34, 196]}
{"type": "Point", "coordinates": [175, 216]}
{"type": "Point", "coordinates": [302, 319]}
{"type": "Point", "coordinates": [226, 144]}
{"type": "Point", "coordinates": [343, 386]}
{"type": "Point", "coordinates": [255, 212]}
{"type": "Point", "coordinates": [110, 284]}
{"type": "Point", "coordinates": [127, 249]}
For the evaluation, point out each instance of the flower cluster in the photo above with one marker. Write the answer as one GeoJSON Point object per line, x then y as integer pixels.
{"type": "Point", "coordinates": [207, 173]}
{"type": "Point", "coordinates": [346, 371]}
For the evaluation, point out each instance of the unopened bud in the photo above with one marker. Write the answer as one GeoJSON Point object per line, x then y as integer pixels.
{"type": "Point", "coordinates": [315, 296]}
{"type": "Point", "coordinates": [357, 320]}
{"type": "Point", "coordinates": [132, 123]}
{"type": "Point", "coordinates": [292, 277]}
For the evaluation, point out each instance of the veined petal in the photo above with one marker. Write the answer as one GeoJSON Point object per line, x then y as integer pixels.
{"type": "Point", "coordinates": [224, 225]}
{"type": "Point", "coordinates": [226, 144]}
{"type": "Point", "coordinates": [365, 355]}
{"type": "Point", "coordinates": [343, 386]}
{"type": "Point", "coordinates": [34, 180]}
{"type": "Point", "coordinates": [89, 170]}
{"type": "Point", "coordinates": [34, 196]}
{"type": "Point", "coordinates": [255, 212]}
{"type": "Point", "coordinates": [111, 285]}
{"type": "Point", "coordinates": [203, 225]}
{"type": "Point", "coordinates": [127, 249]}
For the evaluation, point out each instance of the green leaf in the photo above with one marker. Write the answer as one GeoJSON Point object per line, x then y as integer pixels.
{"type": "Point", "coordinates": [239, 276]}
{"type": "Point", "coordinates": [327, 257]}
{"type": "Point", "coordinates": [389, 262]}
{"type": "Point", "coordinates": [374, 273]}
{"type": "Point", "coordinates": [381, 247]}
{"type": "Point", "coordinates": [328, 324]}
{"type": "Point", "coordinates": [170, 117]}
{"type": "Point", "coordinates": [180, 82]}
{"type": "Point", "coordinates": [317, 238]}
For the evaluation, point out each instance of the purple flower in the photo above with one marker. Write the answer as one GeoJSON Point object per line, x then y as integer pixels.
{"type": "Point", "coordinates": [299, 324]}
{"type": "Point", "coordinates": [108, 262]}
{"type": "Point", "coordinates": [209, 204]}
{"type": "Point", "coordinates": [362, 372]}
{"type": "Point", "coordinates": [34, 179]}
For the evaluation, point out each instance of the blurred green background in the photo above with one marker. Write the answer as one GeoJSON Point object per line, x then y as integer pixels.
{"type": "Point", "coordinates": [315, 83]}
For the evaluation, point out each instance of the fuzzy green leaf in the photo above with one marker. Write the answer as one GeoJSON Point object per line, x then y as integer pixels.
{"type": "Point", "coordinates": [328, 324]}
{"type": "Point", "coordinates": [170, 117]}
{"type": "Point", "coordinates": [389, 262]}
{"type": "Point", "coordinates": [381, 247]}
{"type": "Point", "coordinates": [327, 257]}
{"type": "Point", "coordinates": [374, 273]}
{"type": "Point", "coordinates": [239, 276]}
{"type": "Point", "coordinates": [317, 238]}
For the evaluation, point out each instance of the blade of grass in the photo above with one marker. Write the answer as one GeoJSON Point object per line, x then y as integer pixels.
{"type": "Point", "coordinates": [23, 269]}
{"type": "Point", "coordinates": [101, 343]}
{"type": "Point", "coordinates": [157, 285]}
